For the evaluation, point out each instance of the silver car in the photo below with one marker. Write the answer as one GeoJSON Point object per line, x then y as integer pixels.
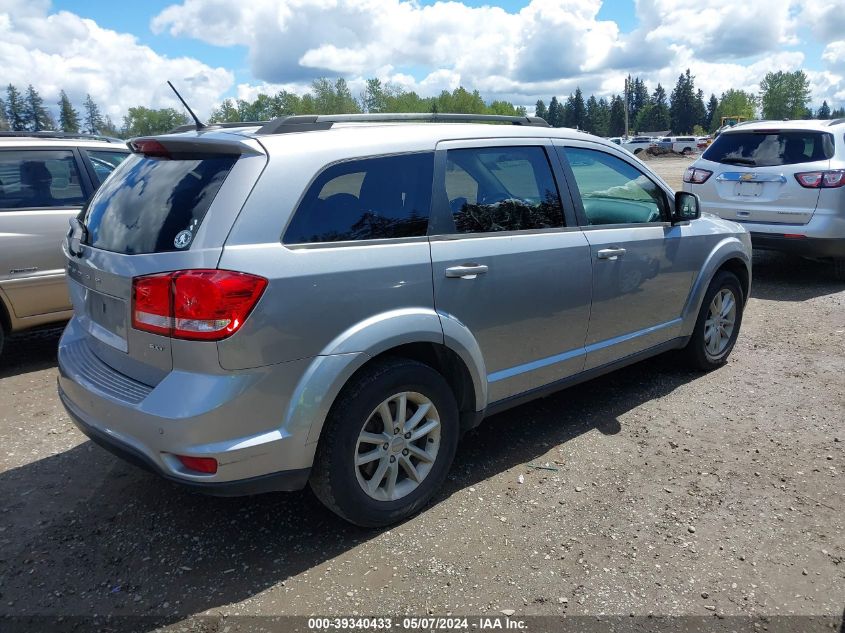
{"type": "Point", "coordinates": [45, 179]}
{"type": "Point", "coordinates": [334, 300]}
{"type": "Point", "coordinates": [784, 180]}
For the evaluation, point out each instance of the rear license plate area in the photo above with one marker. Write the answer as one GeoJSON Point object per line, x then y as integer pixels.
{"type": "Point", "coordinates": [107, 317]}
{"type": "Point", "coordinates": [749, 189]}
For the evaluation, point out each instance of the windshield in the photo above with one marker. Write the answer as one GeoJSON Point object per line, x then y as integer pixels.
{"type": "Point", "coordinates": [768, 148]}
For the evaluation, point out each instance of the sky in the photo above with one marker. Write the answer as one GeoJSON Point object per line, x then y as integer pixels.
{"type": "Point", "coordinates": [122, 53]}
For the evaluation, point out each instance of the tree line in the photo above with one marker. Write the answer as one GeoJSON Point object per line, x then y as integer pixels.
{"type": "Point", "coordinates": [783, 95]}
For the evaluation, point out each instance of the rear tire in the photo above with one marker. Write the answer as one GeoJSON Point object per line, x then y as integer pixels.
{"type": "Point", "coordinates": [363, 468]}
{"type": "Point", "coordinates": [718, 323]}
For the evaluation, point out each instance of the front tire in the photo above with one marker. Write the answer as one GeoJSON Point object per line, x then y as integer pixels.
{"type": "Point", "coordinates": [387, 444]}
{"type": "Point", "coordinates": [839, 269]}
{"type": "Point", "coordinates": [718, 323]}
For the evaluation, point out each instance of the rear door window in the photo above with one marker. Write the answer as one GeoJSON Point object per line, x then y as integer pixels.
{"type": "Point", "coordinates": [372, 198]}
{"type": "Point", "coordinates": [153, 205]}
{"type": "Point", "coordinates": [104, 162]}
{"type": "Point", "coordinates": [495, 189]}
{"type": "Point", "coordinates": [769, 148]}
{"type": "Point", "coordinates": [39, 179]}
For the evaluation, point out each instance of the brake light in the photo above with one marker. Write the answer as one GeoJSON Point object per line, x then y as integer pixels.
{"type": "Point", "coordinates": [149, 147]}
{"type": "Point", "coordinates": [821, 179]}
{"type": "Point", "coordinates": [696, 176]}
{"type": "Point", "coordinates": [207, 305]}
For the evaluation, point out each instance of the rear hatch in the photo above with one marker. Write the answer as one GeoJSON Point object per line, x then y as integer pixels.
{"type": "Point", "coordinates": [168, 207]}
{"type": "Point", "coordinates": [754, 174]}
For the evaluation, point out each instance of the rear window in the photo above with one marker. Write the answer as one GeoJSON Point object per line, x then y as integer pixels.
{"type": "Point", "coordinates": [154, 205]}
{"type": "Point", "coordinates": [368, 199]}
{"type": "Point", "coordinates": [770, 148]}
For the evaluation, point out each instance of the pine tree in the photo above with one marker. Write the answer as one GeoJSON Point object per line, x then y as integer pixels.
{"type": "Point", "coordinates": [616, 125]}
{"type": "Point", "coordinates": [4, 124]}
{"type": "Point", "coordinates": [712, 104]}
{"type": "Point", "coordinates": [68, 117]}
{"type": "Point", "coordinates": [15, 109]}
{"type": "Point", "coordinates": [555, 113]}
{"type": "Point", "coordinates": [578, 111]}
{"type": "Point", "coordinates": [93, 118]}
{"type": "Point", "coordinates": [686, 109]}
{"type": "Point", "coordinates": [38, 117]}
{"type": "Point", "coordinates": [824, 111]}
{"type": "Point", "coordinates": [541, 111]}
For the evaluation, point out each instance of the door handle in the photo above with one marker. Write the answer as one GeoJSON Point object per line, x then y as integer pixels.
{"type": "Point", "coordinates": [610, 253]}
{"type": "Point", "coordinates": [466, 271]}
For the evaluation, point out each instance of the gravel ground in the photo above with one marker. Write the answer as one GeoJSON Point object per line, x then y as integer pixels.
{"type": "Point", "coordinates": [649, 491]}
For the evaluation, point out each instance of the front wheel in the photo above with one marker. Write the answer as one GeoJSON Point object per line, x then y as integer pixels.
{"type": "Point", "coordinates": [387, 445]}
{"type": "Point", "coordinates": [717, 326]}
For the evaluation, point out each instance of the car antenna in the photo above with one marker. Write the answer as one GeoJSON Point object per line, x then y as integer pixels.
{"type": "Point", "coordinates": [200, 124]}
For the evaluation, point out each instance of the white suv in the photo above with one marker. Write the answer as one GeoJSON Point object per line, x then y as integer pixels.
{"type": "Point", "coordinates": [783, 180]}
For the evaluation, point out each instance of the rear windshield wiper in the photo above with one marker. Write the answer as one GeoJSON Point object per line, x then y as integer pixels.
{"type": "Point", "coordinates": [739, 161]}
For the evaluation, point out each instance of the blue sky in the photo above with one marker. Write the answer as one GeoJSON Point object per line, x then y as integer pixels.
{"type": "Point", "coordinates": [514, 50]}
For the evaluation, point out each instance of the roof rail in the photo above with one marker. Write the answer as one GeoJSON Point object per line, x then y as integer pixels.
{"type": "Point", "coordinates": [216, 126]}
{"type": "Point", "coordinates": [836, 121]}
{"type": "Point", "coordinates": [307, 123]}
{"type": "Point", "coordinates": [55, 134]}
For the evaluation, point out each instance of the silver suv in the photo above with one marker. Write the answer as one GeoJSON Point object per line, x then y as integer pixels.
{"type": "Point", "coordinates": [784, 180]}
{"type": "Point", "coordinates": [45, 179]}
{"type": "Point", "coordinates": [335, 299]}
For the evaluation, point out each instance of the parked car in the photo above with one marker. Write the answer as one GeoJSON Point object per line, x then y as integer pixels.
{"type": "Point", "coordinates": [639, 144]}
{"type": "Point", "coordinates": [679, 144]}
{"type": "Point", "coordinates": [45, 179]}
{"type": "Point", "coordinates": [335, 299]}
{"type": "Point", "coordinates": [785, 180]}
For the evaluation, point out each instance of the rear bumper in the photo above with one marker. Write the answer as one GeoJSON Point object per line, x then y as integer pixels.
{"type": "Point", "coordinates": [804, 246]}
{"type": "Point", "coordinates": [285, 480]}
{"type": "Point", "coordinates": [237, 418]}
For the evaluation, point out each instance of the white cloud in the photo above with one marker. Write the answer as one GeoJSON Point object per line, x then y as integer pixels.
{"type": "Point", "coordinates": [63, 51]}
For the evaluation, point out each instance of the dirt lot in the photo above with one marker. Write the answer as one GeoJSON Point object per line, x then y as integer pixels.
{"type": "Point", "coordinates": [649, 491]}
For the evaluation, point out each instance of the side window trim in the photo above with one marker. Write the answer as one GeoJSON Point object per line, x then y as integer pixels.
{"type": "Point", "coordinates": [561, 147]}
{"type": "Point", "coordinates": [442, 221]}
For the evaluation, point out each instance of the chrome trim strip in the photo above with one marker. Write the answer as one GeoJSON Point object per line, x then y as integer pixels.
{"type": "Point", "coordinates": [749, 176]}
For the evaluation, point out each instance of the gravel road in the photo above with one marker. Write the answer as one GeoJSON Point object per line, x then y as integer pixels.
{"type": "Point", "coordinates": [649, 491]}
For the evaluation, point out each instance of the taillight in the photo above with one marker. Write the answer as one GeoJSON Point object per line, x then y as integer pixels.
{"type": "Point", "coordinates": [696, 176]}
{"type": "Point", "coordinates": [821, 179]}
{"type": "Point", "coordinates": [206, 305]}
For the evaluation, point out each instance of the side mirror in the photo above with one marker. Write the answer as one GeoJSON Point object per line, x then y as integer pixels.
{"type": "Point", "coordinates": [687, 207]}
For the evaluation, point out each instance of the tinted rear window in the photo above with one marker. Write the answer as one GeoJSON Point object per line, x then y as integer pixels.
{"type": "Point", "coordinates": [770, 148]}
{"type": "Point", "coordinates": [149, 202]}
{"type": "Point", "coordinates": [372, 198]}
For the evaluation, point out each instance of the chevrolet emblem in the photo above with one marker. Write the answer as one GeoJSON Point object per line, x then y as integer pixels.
{"type": "Point", "coordinates": [747, 177]}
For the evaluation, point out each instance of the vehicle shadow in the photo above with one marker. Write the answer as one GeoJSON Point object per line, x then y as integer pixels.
{"type": "Point", "coordinates": [783, 277]}
{"type": "Point", "coordinates": [83, 532]}
{"type": "Point", "coordinates": [29, 351]}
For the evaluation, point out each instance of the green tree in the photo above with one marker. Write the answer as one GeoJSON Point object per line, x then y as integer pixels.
{"type": "Point", "coordinates": [824, 111]}
{"type": "Point", "coordinates": [4, 124]}
{"type": "Point", "coordinates": [374, 98]}
{"type": "Point", "coordinates": [68, 116]}
{"type": "Point", "coordinates": [93, 119]}
{"type": "Point", "coordinates": [785, 95]}
{"type": "Point", "coordinates": [541, 111]}
{"type": "Point", "coordinates": [616, 122]}
{"type": "Point", "coordinates": [654, 117]}
{"type": "Point", "coordinates": [838, 113]}
{"type": "Point", "coordinates": [15, 109]}
{"type": "Point", "coordinates": [687, 107]}
{"type": "Point", "coordinates": [575, 111]}
{"type": "Point", "coordinates": [226, 112]}
{"type": "Point", "coordinates": [734, 103]}
{"type": "Point", "coordinates": [555, 118]}
{"type": "Point", "coordinates": [712, 104]}
{"type": "Point", "coordinates": [141, 121]}
{"type": "Point", "coordinates": [37, 116]}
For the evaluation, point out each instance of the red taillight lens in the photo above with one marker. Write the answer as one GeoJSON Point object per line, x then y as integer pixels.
{"type": "Point", "coordinates": [205, 465]}
{"type": "Point", "coordinates": [149, 147]}
{"type": "Point", "coordinates": [696, 176]}
{"type": "Point", "coordinates": [152, 304]}
{"type": "Point", "coordinates": [206, 305]}
{"type": "Point", "coordinates": [821, 179]}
